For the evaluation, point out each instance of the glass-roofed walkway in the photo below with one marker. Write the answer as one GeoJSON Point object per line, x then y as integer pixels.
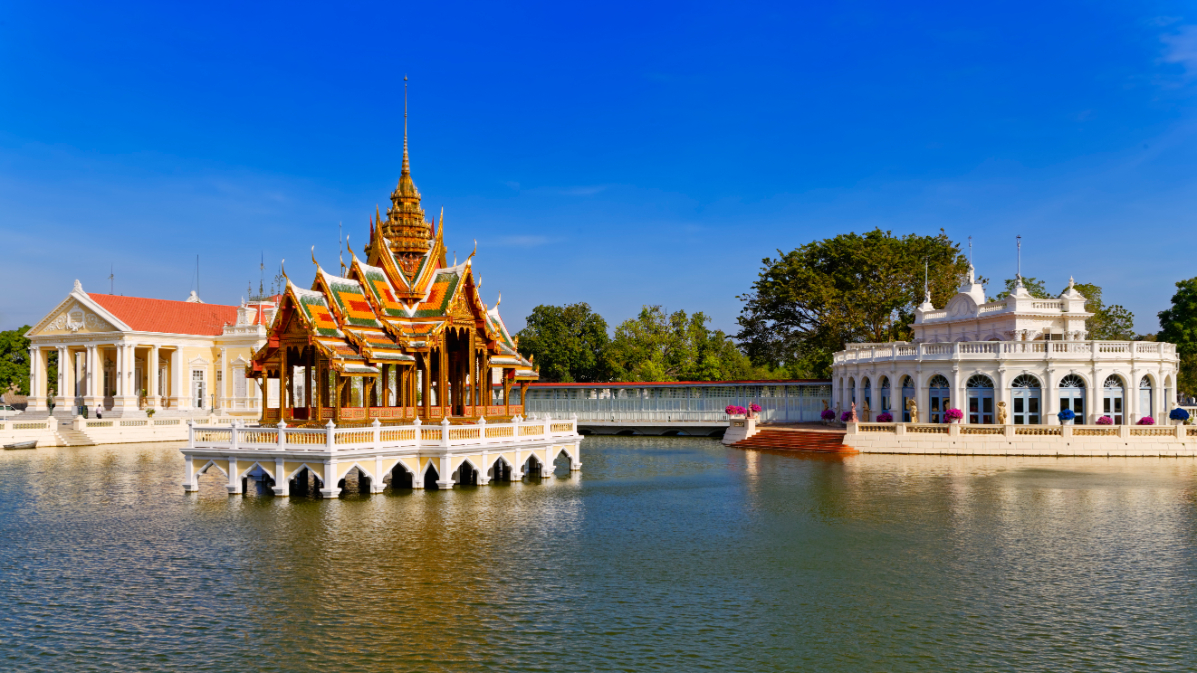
{"type": "Point", "coordinates": [689, 408]}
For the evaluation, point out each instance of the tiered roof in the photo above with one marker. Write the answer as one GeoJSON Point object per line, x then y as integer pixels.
{"type": "Point", "coordinates": [398, 301]}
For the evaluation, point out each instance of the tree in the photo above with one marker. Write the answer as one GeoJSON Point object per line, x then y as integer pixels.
{"type": "Point", "coordinates": [656, 346]}
{"type": "Point", "coordinates": [1178, 325]}
{"type": "Point", "coordinates": [1034, 287]}
{"type": "Point", "coordinates": [1109, 323]}
{"type": "Point", "coordinates": [14, 360]}
{"type": "Point", "coordinates": [807, 303]}
{"type": "Point", "coordinates": [568, 343]}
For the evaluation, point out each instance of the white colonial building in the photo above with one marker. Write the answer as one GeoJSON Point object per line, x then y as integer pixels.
{"type": "Point", "coordinates": [125, 356]}
{"type": "Point", "coordinates": [1031, 354]}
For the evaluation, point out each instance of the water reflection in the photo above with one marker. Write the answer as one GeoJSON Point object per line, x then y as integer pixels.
{"type": "Point", "coordinates": [671, 554]}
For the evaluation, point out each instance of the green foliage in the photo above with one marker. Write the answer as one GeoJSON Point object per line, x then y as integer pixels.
{"type": "Point", "coordinates": [1034, 287]}
{"type": "Point", "coordinates": [14, 360]}
{"type": "Point", "coordinates": [1179, 326]}
{"type": "Point", "coordinates": [1109, 323]}
{"type": "Point", "coordinates": [656, 346]}
{"type": "Point", "coordinates": [567, 343]}
{"type": "Point", "coordinates": [807, 303]}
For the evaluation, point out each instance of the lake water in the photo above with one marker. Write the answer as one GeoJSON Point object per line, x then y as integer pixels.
{"type": "Point", "coordinates": [664, 554]}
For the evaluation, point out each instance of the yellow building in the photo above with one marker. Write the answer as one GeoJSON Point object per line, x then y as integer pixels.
{"type": "Point", "coordinates": [124, 356]}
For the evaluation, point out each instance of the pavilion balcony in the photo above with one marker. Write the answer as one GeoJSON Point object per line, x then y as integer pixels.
{"type": "Point", "coordinates": [860, 353]}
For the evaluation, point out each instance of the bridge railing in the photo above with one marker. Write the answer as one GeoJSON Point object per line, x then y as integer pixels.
{"type": "Point", "coordinates": [331, 439]}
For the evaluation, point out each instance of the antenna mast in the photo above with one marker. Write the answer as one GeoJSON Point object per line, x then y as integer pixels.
{"type": "Point", "coordinates": [112, 279]}
{"type": "Point", "coordinates": [1019, 272]}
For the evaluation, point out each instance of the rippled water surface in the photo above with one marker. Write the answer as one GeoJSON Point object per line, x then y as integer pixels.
{"type": "Point", "coordinates": [665, 554]}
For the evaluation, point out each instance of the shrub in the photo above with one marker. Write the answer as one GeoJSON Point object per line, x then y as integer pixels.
{"type": "Point", "coordinates": [1066, 415]}
{"type": "Point", "coordinates": [845, 416]}
{"type": "Point", "coordinates": [828, 415]}
{"type": "Point", "coordinates": [885, 417]}
{"type": "Point", "coordinates": [1147, 420]}
{"type": "Point", "coordinates": [1105, 420]}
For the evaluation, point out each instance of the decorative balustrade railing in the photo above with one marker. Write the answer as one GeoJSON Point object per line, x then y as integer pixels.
{"type": "Point", "coordinates": [997, 350]}
{"type": "Point", "coordinates": [332, 439]}
{"type": "Point", "coordinates": [1180, 432]}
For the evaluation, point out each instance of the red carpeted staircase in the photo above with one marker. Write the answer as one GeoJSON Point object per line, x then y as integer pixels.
{"type": "Point", "coordinates": [784, 439]}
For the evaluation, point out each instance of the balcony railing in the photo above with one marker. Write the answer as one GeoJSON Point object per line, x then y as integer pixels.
{"type": "Point", "coordinates": [1047, 350]}
{"type": "Point", "coordinates": [331, 439]}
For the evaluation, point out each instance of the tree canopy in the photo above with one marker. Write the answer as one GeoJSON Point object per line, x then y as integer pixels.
{"type": "Point", "coordinates": [661, 346]}
{"type": "Point", "coordinates": [14, 360]}
{"type": "Point", "coordinates": [568, 343]}
{"type": "Point", "coordinates": [1109, 323]}
{"type": "Point", "coordinates": [807, 303]}
{"type": "Point", "coordinates": [1034, 286]}
{"type": "Point", "coordinates": [1178, 325]}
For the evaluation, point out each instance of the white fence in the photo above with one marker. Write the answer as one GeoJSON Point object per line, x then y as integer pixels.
{"type": "Point", "coordinates": [331, 439]}
{"type": "Point", "coordinates": [679, 403]}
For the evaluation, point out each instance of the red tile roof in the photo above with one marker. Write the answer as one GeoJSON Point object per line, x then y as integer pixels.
{"type": "Point", "coordinates": [164, 315]}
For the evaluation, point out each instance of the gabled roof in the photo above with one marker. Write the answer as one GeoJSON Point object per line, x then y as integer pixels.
{"type": "Point", "coordinates": [166, 316]}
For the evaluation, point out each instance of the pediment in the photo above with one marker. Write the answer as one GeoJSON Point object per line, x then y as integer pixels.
{"type": "Point", "coordinates": [961, 305]}
{"type": "Point", "coordinates": [73, 317]}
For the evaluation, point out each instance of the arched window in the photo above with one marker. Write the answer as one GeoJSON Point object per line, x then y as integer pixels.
{"type": "Point", "coordinates": [980, 399]}
{"type": "Point", "coordinates": [1113, 395]}
{"type": "Point", "coordinates": [1025, 381]}
{"type": "Point", "coordinates": [1072, 395]}
{"type": "Point", "coordinates": [1146, 398]}
{"type": "Point", "coordinates": [979, 381]}
{"type": "Point", "coordinates": [939, 398]}
{"type": "Point", "coordinates": [1025, 394]}
{"type": "Point", "coordinates": [885, 394]}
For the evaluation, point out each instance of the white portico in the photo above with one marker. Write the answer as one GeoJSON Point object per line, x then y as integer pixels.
{"type": "Point", "coordinates": [1031, 354]}
{"type": "Point", "coordinates": [125, 356]}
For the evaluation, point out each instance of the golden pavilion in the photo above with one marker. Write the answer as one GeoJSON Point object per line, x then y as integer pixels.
{"type": "Point", "coordinates": [399, 336]}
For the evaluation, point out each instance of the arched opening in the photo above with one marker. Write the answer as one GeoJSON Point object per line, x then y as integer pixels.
{"type": "Point", "coordinates": [1072, 395]}
{"type": "Point", "coordinates": [562, 461]}
{"type": "Point", "coordinates": [883, 403]}
{"type": "Point", "coordinates": [907, 394]}
{"type": "Point", "coordinates": [431, 476]}
{"type": "Point", "coordinates": [1026, 392]}
{"type": "Point", "coordinates": [500, 470]}
{"type": "Point", "coordinates": [257, 482]}
{"type": "Point", "coordinates": [355, 482]}
{"type": "Point", "coordinates": [210, 478]}
{"type": "Point", "coordinates": [465, 474]}
{"type": "Point", "coordinates": [532, 467]}
{"type": "Point", "coordinates": [626, 433]}
{"type": "Point", "coordinates": [1146, 397]}
{"type": "Point", "coordinates": [980, 399]}
{"type": "Point", "coordinates": [399, 478]}
{"type": "Point", "coordinates": [939, 398]}
{"type": "Point", "coordinates": [305, 484]}
{"type": "Point", "coordinates": [1113, 396]}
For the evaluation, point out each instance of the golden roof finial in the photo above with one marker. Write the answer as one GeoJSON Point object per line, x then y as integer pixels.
{"type": "Point", "coordinates": [406, 169]}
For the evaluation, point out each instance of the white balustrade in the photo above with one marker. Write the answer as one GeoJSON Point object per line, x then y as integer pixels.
{"type": "Point", "coordinates": [331, 439]}
{"type": "Point", "coordinates": [1052, 350]}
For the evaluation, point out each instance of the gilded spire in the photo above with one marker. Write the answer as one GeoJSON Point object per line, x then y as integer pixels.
{"type": "Point", "coordinates": [408, 233]}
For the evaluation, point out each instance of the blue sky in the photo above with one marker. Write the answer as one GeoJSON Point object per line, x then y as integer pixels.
{"type": "Point", "coordinates": [617, 154]}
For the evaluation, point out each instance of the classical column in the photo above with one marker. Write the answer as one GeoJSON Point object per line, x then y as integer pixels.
{"type": "Point", "coordinates": [1050, 404]}
{"type": "Point", "coordinates": [177, 392]}
{"type": "Point", "coordinates": [1002, 394]}
{"type": "Point", "coordinates": [151, 359]}
{"type": "Point", "coordinates": [442, 378]}
{"type": "Point", "coordinates": [91, 399]}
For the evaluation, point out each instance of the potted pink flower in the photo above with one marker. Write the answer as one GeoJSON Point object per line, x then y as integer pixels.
{"type": "Point", "coordinates": [953, 416]}
{"type": "Point", "coordinates": [1147, 420]}
{"type": "Point", "coordinates": [755, 409]}
{"type": "Point", "coordinates": [1105, 420]}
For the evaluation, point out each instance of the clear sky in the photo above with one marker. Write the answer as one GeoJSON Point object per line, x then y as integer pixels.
{"type": "Point", "coordinates": [617, 154]}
